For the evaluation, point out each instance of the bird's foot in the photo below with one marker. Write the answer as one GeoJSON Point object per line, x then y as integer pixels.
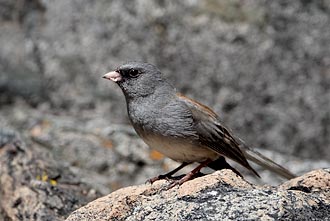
{"type": "Point", "coordinates": [187, 177]}
{"type": "Point", "coordinates": [160, 177]}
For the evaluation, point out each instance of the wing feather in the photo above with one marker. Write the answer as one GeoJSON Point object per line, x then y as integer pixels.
{"type": "Point", "coordinates": [213, 134]}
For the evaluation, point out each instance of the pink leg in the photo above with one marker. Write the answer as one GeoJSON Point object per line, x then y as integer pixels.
{"type": "Point", "coordinates": [168, 175]}
{"type": "Point", "coordinates": [190, 175]}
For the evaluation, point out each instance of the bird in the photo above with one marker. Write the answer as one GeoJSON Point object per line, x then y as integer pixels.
{"type": "Point", "coordinates": [181, 128]}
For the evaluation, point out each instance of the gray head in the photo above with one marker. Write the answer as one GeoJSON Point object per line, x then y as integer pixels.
{"type": "Point", "coordinates": [138, 79]}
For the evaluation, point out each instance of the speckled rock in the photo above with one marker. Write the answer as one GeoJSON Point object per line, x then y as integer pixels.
{"type": "Point", "coordinates": [33, 186]}
{"type": "Point", "coordinates": [219, 196]}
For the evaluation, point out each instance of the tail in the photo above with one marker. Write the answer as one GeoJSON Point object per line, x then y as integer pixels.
{"type": "Point", "coordinates": [267, 163]}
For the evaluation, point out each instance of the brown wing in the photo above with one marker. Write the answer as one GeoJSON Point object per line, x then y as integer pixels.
{"type": "Point", "coordinates": [213, 134]}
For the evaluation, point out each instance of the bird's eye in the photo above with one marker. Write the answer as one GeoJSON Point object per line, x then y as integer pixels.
{"type": "Point", "coordinates": [133, 73]}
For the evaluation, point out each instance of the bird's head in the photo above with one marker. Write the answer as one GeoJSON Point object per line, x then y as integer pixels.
{"type": "Point", "coordinates": [137, 79]}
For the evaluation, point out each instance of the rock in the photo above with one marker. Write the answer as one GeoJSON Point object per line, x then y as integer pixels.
{"type": "Point", "coordinates": [35, 187]}
{"type": "Point", "coordinates": [218, 196]}
{"type": "Point", "coordinates": [310, 182]}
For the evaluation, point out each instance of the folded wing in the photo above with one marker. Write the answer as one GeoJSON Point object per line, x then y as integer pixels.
{"type": "Point", "coordinates": [213, 135]}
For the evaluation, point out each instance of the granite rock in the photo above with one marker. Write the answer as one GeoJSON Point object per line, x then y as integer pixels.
{"type": "Point", "coordinates": [219, 196]}
{"type": "Point", "coordinates": [35, 187]}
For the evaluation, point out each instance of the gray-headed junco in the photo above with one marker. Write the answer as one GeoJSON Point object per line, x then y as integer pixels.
{"type": "Point", "coordinates": [179, 127]}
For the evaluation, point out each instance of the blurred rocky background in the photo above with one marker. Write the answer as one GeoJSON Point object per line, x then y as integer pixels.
{"type": "Point", "coordinates": [264, 66]}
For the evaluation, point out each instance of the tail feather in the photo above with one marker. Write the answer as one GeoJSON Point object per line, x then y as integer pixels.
{"type": "Point", "coordinates": [267, 163]}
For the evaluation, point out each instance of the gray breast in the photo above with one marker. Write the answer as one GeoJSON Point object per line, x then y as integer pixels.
{"type": "Point", "coordinates": [173, 119]}
{"type": "Point", "coordinates": [170, 130]}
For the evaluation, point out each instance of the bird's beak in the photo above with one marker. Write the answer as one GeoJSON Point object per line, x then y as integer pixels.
{"type": "Point", "coordinates": [113, 76]}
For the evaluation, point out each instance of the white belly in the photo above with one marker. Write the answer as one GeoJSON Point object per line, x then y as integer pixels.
{"type": "Point", "coordinates": [179, 149]}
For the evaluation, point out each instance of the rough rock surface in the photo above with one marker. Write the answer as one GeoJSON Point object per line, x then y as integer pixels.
{"type": "Point", "coordinates": [35, 187]}
{"type": "Point", "coordinates": [219, 196]}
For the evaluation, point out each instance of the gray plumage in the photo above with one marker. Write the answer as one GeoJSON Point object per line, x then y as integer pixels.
{"type": "Point", "coordinates": [179, 127]}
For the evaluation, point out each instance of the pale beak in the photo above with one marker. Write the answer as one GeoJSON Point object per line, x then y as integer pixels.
{"type": "Point", "coordinates": [113, 76]}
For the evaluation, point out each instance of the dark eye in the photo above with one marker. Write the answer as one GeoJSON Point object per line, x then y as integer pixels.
{"type": "Point", "coordinates": [133, 73]}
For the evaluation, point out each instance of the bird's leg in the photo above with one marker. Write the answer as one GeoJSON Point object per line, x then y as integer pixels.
{"type": "Point", "coordinates": [167, 175]}
{"type": "Point", "coordinates": [221, 163]}
{"type": "Point", "coordinates": [190, 175]}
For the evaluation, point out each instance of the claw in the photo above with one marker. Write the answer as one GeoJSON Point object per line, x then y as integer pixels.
{"type": "Point", "coordinates": [152, 180]}
{"type": "Point", "coordinates": [179, 182]}
{"type": "Point", "coordinates": [173, 184]}
{"type": "Point", "coordinates": [167, 176]}
{"type": "Point", "coordinates": [173, 181]}
{"type": "Point", "coordinates": [189, 176]}
{"type": "Point", "coordinates": [160, 177]}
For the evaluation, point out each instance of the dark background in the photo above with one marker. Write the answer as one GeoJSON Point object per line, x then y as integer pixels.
{"type": "Point", "coordinates": [263, 66]}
